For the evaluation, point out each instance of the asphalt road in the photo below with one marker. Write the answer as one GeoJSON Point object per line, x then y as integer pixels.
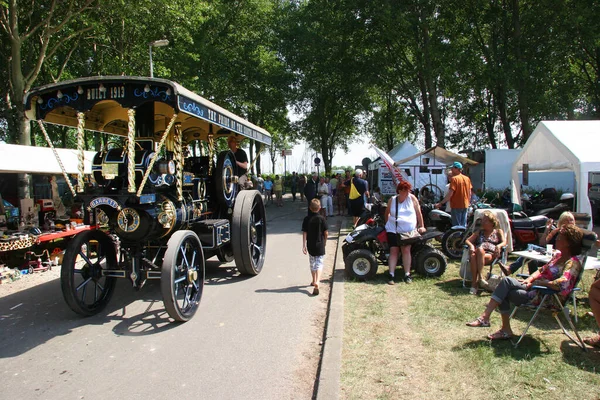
{"type": "Point", "coordinates": [252, 338]}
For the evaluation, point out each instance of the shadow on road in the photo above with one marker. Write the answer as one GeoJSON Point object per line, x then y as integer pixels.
{"type": "Point", "coordinates": [33, 316]}
{"type": "Point", "coordinates": [290, 289]}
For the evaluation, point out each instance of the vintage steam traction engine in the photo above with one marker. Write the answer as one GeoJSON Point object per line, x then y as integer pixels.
{"type": "Point", "coordinates": [162, 201]}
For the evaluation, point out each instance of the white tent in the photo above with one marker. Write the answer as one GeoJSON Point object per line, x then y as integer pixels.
{"type": "Point", "coordinates": [16, 158]}
{"type": "Point", "coordinates": [562, 146]}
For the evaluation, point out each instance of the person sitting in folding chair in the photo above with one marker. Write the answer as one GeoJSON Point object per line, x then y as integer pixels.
{"type": "Point", "coordinates": [594, 298]}
{"type": "Point", "coordinates": [561, 273]}
{"type": "Point", "coordinates": [484, 246]}
{"type": "Point", "coordinates": [548, 237]}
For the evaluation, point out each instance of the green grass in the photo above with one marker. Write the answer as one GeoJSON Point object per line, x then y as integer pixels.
{"type": "Point", "coordinates": [410, 341]}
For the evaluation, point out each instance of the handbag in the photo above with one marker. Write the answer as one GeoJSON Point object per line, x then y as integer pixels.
{"type": "Point", "coordinates": [354, 194]}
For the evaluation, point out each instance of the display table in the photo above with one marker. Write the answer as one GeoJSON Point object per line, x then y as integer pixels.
{"type": "Point", "coordinates": [25, 241]}
{"type": "Point", "coordinates": [590, 262]}
{"type": "Point", "coordinates": [22, 242]}
{"type": "Point", "coordinates": [48, 237]}
{"type": "Point", "coordinates": [532, 255]}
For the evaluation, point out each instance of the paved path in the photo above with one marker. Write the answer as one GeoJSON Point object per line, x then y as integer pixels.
{"type": "Point", "coordinates": [252, 338]}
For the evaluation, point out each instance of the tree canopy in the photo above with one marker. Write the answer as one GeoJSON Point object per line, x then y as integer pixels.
{"type": "Point", "coordinates": [461, 74]}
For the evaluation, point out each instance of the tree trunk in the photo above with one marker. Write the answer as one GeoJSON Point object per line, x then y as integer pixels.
{"type": "Point", "coordinates": [436, 116]}
{"type": "Point", "coordinates": [24, 180]}
{"type": "Point", "coordinates": [501, 106]}
{"type": "Point", "coordinates": [490, 121]}
{"type": "Point", "coordinates": [521, 73]}
{"type": "Point", "coordinates": [425, 121]}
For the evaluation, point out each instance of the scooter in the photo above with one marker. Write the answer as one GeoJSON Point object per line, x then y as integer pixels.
{"type": "Point", "coordinates": [367, 244]}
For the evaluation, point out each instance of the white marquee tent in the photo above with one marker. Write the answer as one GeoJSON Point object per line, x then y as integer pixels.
{"type": "Point", "coordinates": [562, 146]}
{"type": "Point", "coordinates": [16, 158]}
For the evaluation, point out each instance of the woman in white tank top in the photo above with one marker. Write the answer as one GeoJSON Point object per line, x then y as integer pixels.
{"type": "Point", "coordinates": [403, 220]}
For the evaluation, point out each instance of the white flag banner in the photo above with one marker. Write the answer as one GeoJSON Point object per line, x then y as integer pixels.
{"type": "Point", "coordinates": [396, 174]}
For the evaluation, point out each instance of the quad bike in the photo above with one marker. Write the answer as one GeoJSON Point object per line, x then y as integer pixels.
{"type": "Point", "coordinates": [367, 244]}
{"type": "Point", "coordinates": [162, 201]}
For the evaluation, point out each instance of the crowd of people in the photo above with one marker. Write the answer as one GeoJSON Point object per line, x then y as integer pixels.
{"type": "Point", "coordinates": [346, 195]}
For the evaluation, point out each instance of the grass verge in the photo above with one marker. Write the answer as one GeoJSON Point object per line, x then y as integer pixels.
{"type": "Point", "coordinates": [410, 341]}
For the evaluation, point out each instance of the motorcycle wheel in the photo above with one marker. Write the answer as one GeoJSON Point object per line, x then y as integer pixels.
{"type": "Point", "coordinates": [361, 264]}
{"type": "Point", "coordinates": [431, 262]}
{"type": "Point", "coordinates": [452, 243]}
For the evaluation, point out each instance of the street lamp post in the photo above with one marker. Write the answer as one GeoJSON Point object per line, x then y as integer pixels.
{"type": "Point", "coordinates": [156, 43]}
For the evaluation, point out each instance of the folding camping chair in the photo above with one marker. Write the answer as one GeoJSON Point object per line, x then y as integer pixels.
{"type": "Point", "coordinates": [557, 306]}
{"type": "Point", "coordinates": [502, 216]}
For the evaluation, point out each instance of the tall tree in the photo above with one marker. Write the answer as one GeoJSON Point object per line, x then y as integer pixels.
{"type": "Point", "coordinates": [35, 31]}
{"type": "Point", "coordinates": [322, 49]}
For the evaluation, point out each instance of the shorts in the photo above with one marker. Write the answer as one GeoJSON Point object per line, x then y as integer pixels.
{"type": "Point", "coordinates": [316, 262]}
{"type": "Point", "coordinates": [393, 238]}
{"type": "Point", "coordinates": [357, 206]}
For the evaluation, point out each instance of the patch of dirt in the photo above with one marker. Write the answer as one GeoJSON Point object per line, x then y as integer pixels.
{"type": "Point", "coordinates": [28, 281]}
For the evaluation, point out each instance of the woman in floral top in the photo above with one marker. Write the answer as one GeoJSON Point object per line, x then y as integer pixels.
{"type": "Point", "coordinates": [561, 273]}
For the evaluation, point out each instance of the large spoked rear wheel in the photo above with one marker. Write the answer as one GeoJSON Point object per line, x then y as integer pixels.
{"type": "Point", "coordinates": [249, 232]}
{"type": "Point", "coordinates": [182, 278]}
{"type": "Point", "coordinates": [85, 289]}
{"type": "Point", "coordinates": [225, 185]}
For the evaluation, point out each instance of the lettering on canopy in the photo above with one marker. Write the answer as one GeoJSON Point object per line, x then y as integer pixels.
{"type": "Point", "coordinates": [200, 110]}
{"type": "Point", "coordinates": [84, 95]}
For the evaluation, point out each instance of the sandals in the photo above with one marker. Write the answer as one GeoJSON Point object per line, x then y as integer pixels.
{"type": "Point", "coordinates": [504, 269]}
{"type": "Point", "coordinates": [500, 335]}
{"type": "Point", "coordinates": [592, 341]}
{"type": "Point", "coordinates": [316, 290]}
{"type": "Point", "coordinates": [479, 322]}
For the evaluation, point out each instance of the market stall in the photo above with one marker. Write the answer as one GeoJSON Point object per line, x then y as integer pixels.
{"type": "Point", "coordinates": [35, 226]}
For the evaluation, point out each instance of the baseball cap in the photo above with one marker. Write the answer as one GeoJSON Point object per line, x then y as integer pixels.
{"type": "Point", "coordinates": [456, 164]}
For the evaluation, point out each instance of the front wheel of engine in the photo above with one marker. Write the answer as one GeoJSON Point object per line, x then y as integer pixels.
{"type": "Point", "coordinates": [85, 288]}
{"type": "Point", "coordinates": [182, 277]}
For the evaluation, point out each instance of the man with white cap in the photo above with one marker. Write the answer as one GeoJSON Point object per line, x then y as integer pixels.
{"type": "Point", "coordinates": [459, 195]}
{"type": "Point", "coordinates": [358, 188]}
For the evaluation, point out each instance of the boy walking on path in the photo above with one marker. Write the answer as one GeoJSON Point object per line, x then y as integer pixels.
{"type": "Point", "coordinates": [314, 238]}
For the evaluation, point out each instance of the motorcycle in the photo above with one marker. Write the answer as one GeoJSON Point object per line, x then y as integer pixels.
{"type": "Point", "coordinates": [433, 217]}
{"type": "Point", "coordinates": [374, 211]}
{"type": "Point", "coordinates": [525, 230]}
{"type": "Point", "coordinates": [453, 237]}
{"type": "Point", "coordinates": [367, 244]}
